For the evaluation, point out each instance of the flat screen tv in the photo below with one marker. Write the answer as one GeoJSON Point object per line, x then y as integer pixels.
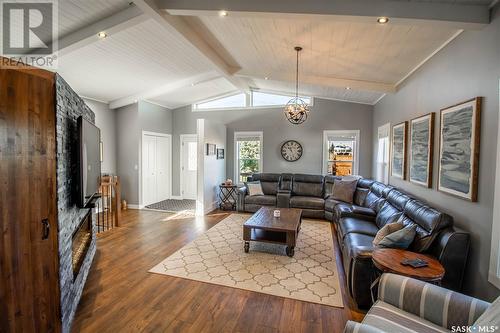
{"type": "Point", "coordinates": [89, 138]}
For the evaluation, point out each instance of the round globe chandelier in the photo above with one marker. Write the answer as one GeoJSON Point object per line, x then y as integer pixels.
{"type": "Point", "coordinates": [296, 110]}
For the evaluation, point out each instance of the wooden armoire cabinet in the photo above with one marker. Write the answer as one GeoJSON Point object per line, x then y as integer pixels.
{"type": "Point", "coordinates": [29, 261]}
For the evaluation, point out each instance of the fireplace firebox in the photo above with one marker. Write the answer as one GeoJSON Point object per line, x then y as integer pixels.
{"type": "Point", "coordinates": [82, 238]}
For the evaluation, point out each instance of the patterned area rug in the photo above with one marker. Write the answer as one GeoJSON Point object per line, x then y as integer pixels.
{"type": "Point", "coordinates": [217, 256]}
{"type": "Point", "coordinates": [172, 205]}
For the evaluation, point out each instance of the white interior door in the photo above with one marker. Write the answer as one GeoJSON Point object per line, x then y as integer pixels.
{"type": "Point", "coordinates": [149, 169]}
{"type": "Point", "coordinates": [162, 168]}
{"type": "Point", "coordinates": [156, 167]}
{"type": "Point", "coordinates": [189, 152]}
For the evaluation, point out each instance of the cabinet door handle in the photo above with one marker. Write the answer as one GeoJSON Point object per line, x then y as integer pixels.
{"type": "Point", "coordinates": [46, 229]}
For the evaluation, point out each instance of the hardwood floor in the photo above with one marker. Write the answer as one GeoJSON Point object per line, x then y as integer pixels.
{"type": "Point", "coordinates": [121, 296]}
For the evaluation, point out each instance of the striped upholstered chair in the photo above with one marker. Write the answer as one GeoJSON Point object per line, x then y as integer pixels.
{"type": "Point", "coordinates": [409, 305]}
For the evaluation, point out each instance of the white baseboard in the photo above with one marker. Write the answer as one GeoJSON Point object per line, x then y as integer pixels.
{"type": "Point", "coordinates": [211, 207]}
{"type": "Point", "coordinates": [176, 197]}
{"type": "Point", "coordinates": [135, 206]}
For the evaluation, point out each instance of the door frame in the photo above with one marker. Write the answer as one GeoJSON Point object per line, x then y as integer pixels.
{"type": "Point", "coordinates": [181, 150]}
{"type": "Point", "coordinates": [141, 169]}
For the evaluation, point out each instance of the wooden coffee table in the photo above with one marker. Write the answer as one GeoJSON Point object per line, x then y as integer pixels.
{"type": "Point", "coordinates": [389, 261]}
{"type": "Point", "coordinates": [264, 227]}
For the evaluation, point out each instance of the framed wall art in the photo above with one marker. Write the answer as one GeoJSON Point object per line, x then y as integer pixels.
{"type": "Point", "coordinates": [421, 150]}
{"type": "Point", "coordinates": [220, 153]}
{"type": "Point", "coordinates": [459, 133]}
{"type": "Point", "coordinates": [399, 153]}
{"type": "Point", "coordinates": [211, 149]}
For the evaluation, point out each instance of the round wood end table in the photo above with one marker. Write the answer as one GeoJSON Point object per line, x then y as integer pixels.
{"type": "Point", "coordinates": [389, 261]}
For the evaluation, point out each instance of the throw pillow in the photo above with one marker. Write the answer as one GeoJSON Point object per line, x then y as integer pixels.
{"type": "Point", "coordinates": [400, 239]}
{"type": "Point", "coordinates": [254, 188]}
{"type": "Point", "coordinates": [343, 190]}
{"type": "Point", "coordinates": [386, 230]}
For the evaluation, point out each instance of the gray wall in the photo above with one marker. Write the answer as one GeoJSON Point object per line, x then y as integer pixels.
{"type": "Point", "coordinates": [468, 67]}
{"type": "Point", "coordinates": [105, 119]}
{"type": "Point", "coordinates": [325, 115]}
{"type": "Point", "coordinates": [131, 121]}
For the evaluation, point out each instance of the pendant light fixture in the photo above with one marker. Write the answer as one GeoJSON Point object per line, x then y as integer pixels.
{"type": "Point", "coordinates": [296, 110]}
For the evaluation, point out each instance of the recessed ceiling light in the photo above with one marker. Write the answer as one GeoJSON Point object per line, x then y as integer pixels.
{"type": "Point", "coordinates": [223, 13]}
{"type": "Point", "coordinates": [102, 34]}
{"type": "Point", "coordinates": [266, 78]}
{"type": "Point", "coordinates": [347, 88]}
{"type": "Point", "coordinates": [383, 20]}
{"type": "Point", "coordinates": [193, 84]}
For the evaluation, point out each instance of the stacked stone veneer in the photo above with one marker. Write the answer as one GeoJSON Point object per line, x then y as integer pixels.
{"type": "Point", "coordinates": [69, 107]}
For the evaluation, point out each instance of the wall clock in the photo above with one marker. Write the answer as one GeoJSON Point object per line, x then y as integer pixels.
{"type": "Point", "coordinates": [291, 150]}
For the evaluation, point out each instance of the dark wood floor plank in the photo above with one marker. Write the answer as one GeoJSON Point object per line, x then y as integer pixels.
{"type": "Point", "coordinates": [122, 296]}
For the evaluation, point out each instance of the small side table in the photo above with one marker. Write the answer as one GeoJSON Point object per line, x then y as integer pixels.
{"type": "Point", "coordinates": [228, 195]}
{"type": "Point", "coordinates": [389, 261]}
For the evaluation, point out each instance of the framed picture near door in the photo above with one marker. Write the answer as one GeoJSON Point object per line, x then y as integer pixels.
{"type": "Point", "coordinates": [399, 154]}
{"type": "Point", "coordinates": [421, 150]}
{"type": "Point", "coordinates": [459, 134]}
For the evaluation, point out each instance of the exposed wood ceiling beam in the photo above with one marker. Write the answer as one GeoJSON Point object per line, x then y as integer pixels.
{"type": "Point", "coordinates": [119, 21]}
{"type": "Point", "coordinates": [167, 88]}
{"type": "Point", "coordinates": [324, 81]}
{"type": "Point", "coordinates": [453, 15]}
{"type": "Point", "coordinates": [191, 35]}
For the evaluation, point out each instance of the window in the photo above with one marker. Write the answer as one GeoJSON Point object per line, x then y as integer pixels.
{"type": "Point", "coordinates": [233, 101]}
{"type": "Point", "coordinates": [247, 101]}
{"type": "Point", "coordinates": [267, 99]}
{"type": "Point", "coordinates": [248, 156]}
{"type": "Point", "coordinates": [383, 154]}
{"type": "Point", "coordinates": [340, 152]}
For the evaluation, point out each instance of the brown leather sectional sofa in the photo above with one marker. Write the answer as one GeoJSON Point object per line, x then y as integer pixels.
{"type": "Point", "coordinates": [357, 223]}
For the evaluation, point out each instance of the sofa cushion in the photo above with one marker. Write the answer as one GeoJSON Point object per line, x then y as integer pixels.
{"type": "Point", "coordinates": [266, 200]}
{"type": "Point", "coordinates": [400, 239]}
{"type": "Point", "coordinates": [330, 204]}
{"type": "Point", "coordinates": [373, 201]}
{"type": "Point", "coordinates": [386, 230]}
{"type": "Point", "coordinates": [307, 185]}
{"type": "Point", "coordinates": [360, 196]}
{"type": "Point", "coordinates": [365, 183]}
{"type": "Point", "coordinates": [398, 199]}
{"type": "Point", "coordinates": [389, 318]}
{"type": "Point", "coordinates": [377, 188]}
{"type": "Point", "coordinates": [387, 214]}
{"type": "Point", "coordinates": [426, 217]}
{"type": "Point", "coordinates": [354, 225]}
{"type": "Point", "coordinates": [269, 182]}
{"type": "Point", "coordinates": [307, 202]}
{"type": "Point", "coordinates": [344, 189]}
{"type": "Point", "coordinates": [347, 210]}
{"type": "Point", "coordinates": [358, 246]}
{"type": "Point", "coordinates": [286, 181]}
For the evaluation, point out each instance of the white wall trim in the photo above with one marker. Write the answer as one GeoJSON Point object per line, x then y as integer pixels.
{"type": "Point", "coordinates": [494, 271]}
{"type": "Point", "coordinates": [181, 151]}
{"type": "Point", "coordinates": [448, 41]}
{"type": "Point", "coordinates": [141, 187]}
{"type": "Point", "coordinates": [176, 197]}
{"type": "Point", "coordinates": [326, 133]}
{"type": "Point", "coordinates": [135, 206]}
{"type": "Point", "coordinates": [261, 161]}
